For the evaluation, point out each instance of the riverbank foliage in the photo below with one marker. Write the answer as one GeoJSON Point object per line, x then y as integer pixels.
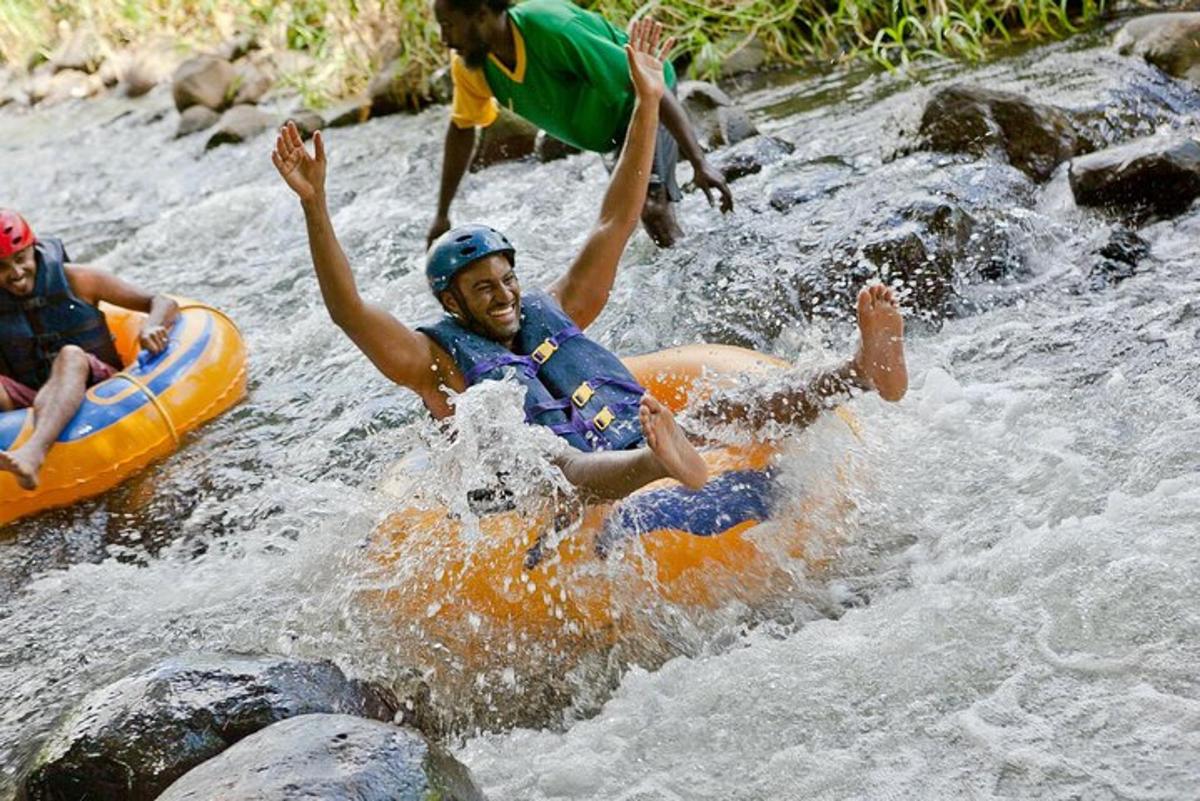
{"type": "Point", "coordinates": [332, 47]}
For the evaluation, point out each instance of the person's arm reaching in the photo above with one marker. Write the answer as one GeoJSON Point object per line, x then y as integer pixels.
{"type": "Point", "coordinates": [583, 290]}
{"type": "Point", "coordinates": [95, 285]}
{"type": "Point", "coordinates": [707, 178]}
{"type": "Point", "coordinates": [400, 353]}
{"type": "Point", "coordinates": [460, 143]}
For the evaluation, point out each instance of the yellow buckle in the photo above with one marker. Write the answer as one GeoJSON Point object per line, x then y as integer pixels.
{"type": "Point", "coordinates": [604, 419]}
{"type": "Point", "coordinates": [543, 352]}
{"type": "Point", "coordinates": [582, 395]}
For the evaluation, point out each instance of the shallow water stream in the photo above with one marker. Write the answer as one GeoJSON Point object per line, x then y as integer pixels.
{"type": "Point", "coordinates": [1011, 609]}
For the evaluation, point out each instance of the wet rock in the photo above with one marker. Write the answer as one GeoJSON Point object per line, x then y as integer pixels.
{"type": "Point", "coordinates": [1170, 42]}
{"type": "Point", "coordinates": [351, 112]}
{"type": "Point", "coordinates": [718, 121]}
{"type": "Point", "coordinates": [817, 179]}
{"type": "Point", "coordinates": [307, 121]}
{"type": "Point", "coordinates": [1032, 137]}
{"type": "Point", "coordinates": [64, 85]}
{"type": "Point", "coordinates": [330, 758]}
{"type": "Point", "coordinates": [239, 124]}
{"type": "Point", "coordinates": [748, 55]}
{"type": "Point", "coordinates": [399, 86]}
{"type": "Point", "coordinates": [750, 156]}
{"type": "Point", "coordinates": [130, 740]}
{"type": "Point", "coordinates": [1153, 176]}
{"type": "Point", "coordinates": [203, 81]}
{"type": "Point", "coordinates": [249, 85]}
{"type": "Point", "coordinates": [547, 148]}
{"type": "Point", "coordinates": [440, 88]}
{"type": "Point", "coordinates": [79, 51]}
{"type": "Point", "coordinates": [147, 68]}
{"type": "Point", "coordinates": [237, 46]}
{"type": "Point", "coordinates": [507, 139]}
{"type": "Point", "coordinates": [195, 119]}
{"type": "Point", "coordinates": [1118, 259]}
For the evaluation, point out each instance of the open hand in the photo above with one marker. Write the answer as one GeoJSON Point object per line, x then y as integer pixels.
{"type": "Point", "coordinates": [707, 179]}
{"type": "Point", "coordinates": [646, 59]}
{"type": "Point", "coordinates": [154, 338]}
{"type": "Point", "coordinates": [305, 174]}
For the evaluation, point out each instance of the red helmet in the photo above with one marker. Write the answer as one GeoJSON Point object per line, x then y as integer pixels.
{"type": "Point", "coordinates": [15, 233]}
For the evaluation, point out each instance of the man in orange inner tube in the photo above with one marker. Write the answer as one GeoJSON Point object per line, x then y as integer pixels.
{"type": "Point", "coordinates": [574, 386]}
{"type": "Point", "coordinates": [54, 341]}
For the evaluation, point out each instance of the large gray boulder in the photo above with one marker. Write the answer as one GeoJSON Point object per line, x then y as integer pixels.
{"type": "Point", "coordinates": [196, 119]}
{"type": "Point", "coordinates": [1170, 42]}
{"type": "Point", "coordinates": [129, 740]}
{"type": "Point", "coordinates": [250, 84]}
{"type": "Point", "coordinates": [203, 81]}
{"type": "Point", "coordinates": [399, 86]}
{"type": "Point", "coordinates": [79, 51]}
{"type": "Point", "coordinates": [717, 120]}
{"type": "Point", "coordinates": [1032, 137]}
{"type": "Point", "coordinates": [1153, 176]}
{"type": "Point", "coordinates": [329, 758]}
{"type": "Point", "coordinates": [239, 124]}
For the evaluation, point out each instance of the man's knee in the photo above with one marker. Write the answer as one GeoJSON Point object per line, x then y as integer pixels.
{"type": "Point", "coordinates": [6, 403]}
{"type": "Point", "coordinates": [73, 359]}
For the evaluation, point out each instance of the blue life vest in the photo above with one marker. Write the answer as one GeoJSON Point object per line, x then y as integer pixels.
{"type": "Point", "coordinates": [35, 328]}
{"type": "Point", "coordinates": [574, 387]}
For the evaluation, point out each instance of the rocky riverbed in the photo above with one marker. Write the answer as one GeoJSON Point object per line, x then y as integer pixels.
{"type": "Point", "coordinates": [1007, 610]}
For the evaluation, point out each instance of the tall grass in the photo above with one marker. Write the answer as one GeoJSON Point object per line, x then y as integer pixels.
{"type": "Point", "coordinates": [337, 44]}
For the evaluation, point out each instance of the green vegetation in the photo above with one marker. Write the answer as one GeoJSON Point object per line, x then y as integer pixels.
{"type": "Point", "coordinates": [337, 44]}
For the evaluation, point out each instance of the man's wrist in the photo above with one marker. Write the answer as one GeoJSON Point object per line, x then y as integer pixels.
{"type": "Point", "coordinates": [314, 203]}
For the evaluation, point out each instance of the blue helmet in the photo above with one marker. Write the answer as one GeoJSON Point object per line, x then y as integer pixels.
{"type": "Point", "coordinates": [460, 247]}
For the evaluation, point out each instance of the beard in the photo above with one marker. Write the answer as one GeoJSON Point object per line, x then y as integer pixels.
{"type": "Point", "coordinates": [475, 52]}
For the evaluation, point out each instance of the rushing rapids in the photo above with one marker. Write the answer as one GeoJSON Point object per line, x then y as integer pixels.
{"type": "Point", "coordinates": [1007, 608]}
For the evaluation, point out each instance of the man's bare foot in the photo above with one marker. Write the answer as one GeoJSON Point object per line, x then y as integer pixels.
{"type": "Point", "coordinates": [21, 466]}
{"type": "Point", "coordinates": [880, 357]}
{"type": "Point", "coordinates": [669, 445]}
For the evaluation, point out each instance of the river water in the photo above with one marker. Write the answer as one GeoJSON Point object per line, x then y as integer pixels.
{"type": "Point", "coordinates": [1011, 610]}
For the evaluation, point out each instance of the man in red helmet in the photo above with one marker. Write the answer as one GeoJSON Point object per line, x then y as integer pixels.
{"type": "Point", "coordinates": [54, 341]}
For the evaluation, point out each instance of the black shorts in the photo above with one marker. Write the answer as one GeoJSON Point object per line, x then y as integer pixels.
{"type": "Point", "coordinates": [662, 170]}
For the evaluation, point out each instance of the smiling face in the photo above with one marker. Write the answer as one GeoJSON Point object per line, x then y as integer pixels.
{"type": "Point", "coordinates": [463, 32]}
{"type": "Point", "coordinates": [18, 272]}
{"type": "Point", "coordinates": [486, 298]}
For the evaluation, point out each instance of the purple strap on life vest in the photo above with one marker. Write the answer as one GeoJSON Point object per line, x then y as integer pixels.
{"type": "Point", "coordinates": [526, 362]}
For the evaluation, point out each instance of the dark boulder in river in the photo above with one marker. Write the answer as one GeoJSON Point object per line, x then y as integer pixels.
{"type": "Point", "coordinates": [240, 124]}
{"type": "Point", "coordinates": [750, 156]}
{"type": "Point", "coordinates": [203, 81]}
{"type": "Point", "coordinates": [129, 740]}
{"type": "Point", "coordinates": [718, 121]}
{"type": "Point", "coordinates": [330, 758]}
{"type": "Point", "coordinates": [1170, 42]}
{"type": "Point", "coordinates": [1032, 137]}
{"type": "Point", "coordinates": [1153, 176]}
{"type": "Point", "coordinates": [196, 118]}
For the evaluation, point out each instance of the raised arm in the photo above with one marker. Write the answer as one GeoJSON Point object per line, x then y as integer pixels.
{"type": "Point", "coordinates": [95, 285]}
{"type": "Point", "coordinates": [401, 354]}
{"type": "Point", "coordinates": [584, 289]}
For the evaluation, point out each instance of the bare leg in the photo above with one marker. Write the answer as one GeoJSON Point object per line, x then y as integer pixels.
{"type": "Point", "coordinates": [878, 365]}
{"type": "Point", "coordinates": [610, 475]}
{"type": "Point", "coordinates": [56, 404]}
{"type": "Point", "coordinates": [6, 403]}
{"type": "Point", "coordinates": [658, 218]}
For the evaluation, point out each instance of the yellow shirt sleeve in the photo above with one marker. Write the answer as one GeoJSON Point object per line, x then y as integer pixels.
{"type": "Point", "coordinates": [473, 104]}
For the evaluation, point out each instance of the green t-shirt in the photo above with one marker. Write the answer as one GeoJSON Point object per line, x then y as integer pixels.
{"type": "Point", "coordinates": [576, 83]}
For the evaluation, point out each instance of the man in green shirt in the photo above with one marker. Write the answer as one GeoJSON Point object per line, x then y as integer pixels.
{"type": "Point", "coordinates": [563, 69]}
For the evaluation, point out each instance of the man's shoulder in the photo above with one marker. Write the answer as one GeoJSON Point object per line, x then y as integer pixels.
{"type": "Point", "coordinates": [548, 16]}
